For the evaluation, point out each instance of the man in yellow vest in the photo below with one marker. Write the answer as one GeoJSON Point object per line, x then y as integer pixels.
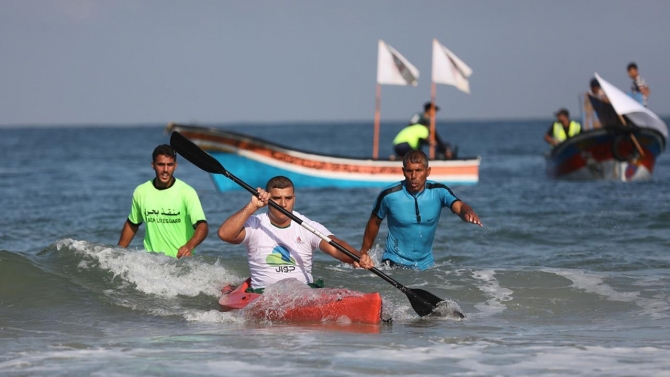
{"type": "Point", "coordinates": [562, 129]}
{"type": "Point", "coordinates": [416, 134]}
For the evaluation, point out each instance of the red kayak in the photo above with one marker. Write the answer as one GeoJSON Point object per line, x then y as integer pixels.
{"type": "Point", "coordinates": [292, 301]}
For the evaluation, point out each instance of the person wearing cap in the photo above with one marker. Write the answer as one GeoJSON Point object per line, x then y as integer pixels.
{"type": "Point", "coordinates": [562, 129]}
{"type": "Point", "coordinates": [639, 89]}
{"type": "Point", "coordinates": [175, 221]}
{"type": "Point", "coordinates": [417, 134]}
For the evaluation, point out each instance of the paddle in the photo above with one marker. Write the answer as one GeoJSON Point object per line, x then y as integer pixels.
{"type": "Point", "coordinates": [422, 302]}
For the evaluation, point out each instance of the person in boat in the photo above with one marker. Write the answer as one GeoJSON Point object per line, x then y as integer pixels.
{"type": "Point", "coordinates": [277, 247]}
{"type": "Point", "coordinates": [598, 93]}
{"type": "Point", "coordinates": [417, 134]}
{"type": "Point", "coordinates": [171, 210]}
{"type": "Point", "coordinates": [562, 129]}
{"type": "Point", "coordinates": [639, 88]}
{"type": "Point", "coordinates": [413, 207]}
{"type": "Point", "coordinates": [596, 90]}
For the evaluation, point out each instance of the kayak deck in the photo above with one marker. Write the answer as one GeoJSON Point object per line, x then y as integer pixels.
{"type": "Point", "coordinates": [292, 301]}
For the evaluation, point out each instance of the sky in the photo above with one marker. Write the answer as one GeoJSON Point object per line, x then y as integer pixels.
{"type": "Point", "coordinates": [225, 62]}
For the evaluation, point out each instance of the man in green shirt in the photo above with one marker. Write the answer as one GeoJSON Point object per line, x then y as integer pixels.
{"type": "Point", "coordinates": [170, 208]}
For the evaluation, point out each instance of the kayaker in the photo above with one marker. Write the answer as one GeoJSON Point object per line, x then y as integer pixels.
{"type": "Point", "coordinates": [639, 89]}
{"type": "Point", "coordinates": [413, 208]}
{"type": "Point", "coordinates": [278, 248]}
{"type": "Point", "coordinates": [171, 209]}
{"type": "Point", "coordinates": [416, 134]}
{"type": "Point", "coordinates": [562, 129]}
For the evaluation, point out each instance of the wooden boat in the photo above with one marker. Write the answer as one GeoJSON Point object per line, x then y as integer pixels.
{"type": "Point", "coordinates": [625, 148]}
{"type": "Point", "coordinates": [255, 161]}
{"type": "Point", "coordinates": [303, 305]}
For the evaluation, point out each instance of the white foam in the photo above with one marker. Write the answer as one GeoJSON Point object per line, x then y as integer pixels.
{"type": "Point", "coordinates": [490, 359]}
{"type": "Point", "coordinates": [492, 289]}
{"type": "Point", "coordinates": [213, 316]}
{"type": "Point", "coordinates": [656, 307]}
{"type": "Point", "coordinates": [594, 284]}
{"type": "Point", "coordinates": [151, 273]}
{"type": "Point", "coordinates": [479, 358]}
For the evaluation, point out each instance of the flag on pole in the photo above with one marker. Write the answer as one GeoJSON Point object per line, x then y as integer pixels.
{"type": "Point", "coordinates": [393, 68]}
{"type": "Point", "coordinates": [448, 69]}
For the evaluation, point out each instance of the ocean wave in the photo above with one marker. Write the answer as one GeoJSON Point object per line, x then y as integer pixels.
{"type": "Point", "coordinates": [73, 273]}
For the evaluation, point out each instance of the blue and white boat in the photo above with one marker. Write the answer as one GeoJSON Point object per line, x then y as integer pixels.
{"type": "Point", "coordinates": [256, 160]}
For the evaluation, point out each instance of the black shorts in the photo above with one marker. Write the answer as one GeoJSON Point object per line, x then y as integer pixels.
{"type": "Point", "coordinates": [402, 149]}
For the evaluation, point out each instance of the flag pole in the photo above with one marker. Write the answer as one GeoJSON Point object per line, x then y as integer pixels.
{"type": "Point", "coordinates": [375, 137]}
{"type": "Point", "coordinates": [433, 94]}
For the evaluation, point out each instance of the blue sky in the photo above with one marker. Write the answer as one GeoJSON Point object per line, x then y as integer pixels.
{"type": "Point", "coordinates": [130, 62]}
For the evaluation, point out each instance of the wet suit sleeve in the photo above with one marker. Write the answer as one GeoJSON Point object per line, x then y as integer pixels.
{"type": "Point", "coordinates": [447, 197]}
{"type": "Point", "coordinates": [380, 208]}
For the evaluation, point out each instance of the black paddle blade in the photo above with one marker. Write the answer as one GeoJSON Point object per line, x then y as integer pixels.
{"type": "Point", "coordinates": [195, 155]}
{"type": "Point", "coordinates": [424, 302]}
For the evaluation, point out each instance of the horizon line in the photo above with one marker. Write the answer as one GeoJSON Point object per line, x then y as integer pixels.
{"type": "Point", "coordinates": [264, 123]}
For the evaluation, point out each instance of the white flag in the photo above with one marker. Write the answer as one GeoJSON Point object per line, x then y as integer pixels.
{"type": "Point", "coordinates": [448, 69]}
{"type": "Point", "coordinates": [623, 104]}
{"type": "Point", "coordinates": [393, 68]}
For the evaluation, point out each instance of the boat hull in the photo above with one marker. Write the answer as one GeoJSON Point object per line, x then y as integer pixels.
{"type": "Point", "coordinates": [255, 161]}
{"type": "Point", "coordinates": [312, 305]}
{"type": "Point", "coordinates": [607, 154]}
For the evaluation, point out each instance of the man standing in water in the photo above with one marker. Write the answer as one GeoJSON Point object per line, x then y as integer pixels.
{"type": "Point", "coordinates": [277, 247]}
{"type": "Point", "coordinates": [171, 209]}
{"type": "Point", "coordinates": [413, 207]}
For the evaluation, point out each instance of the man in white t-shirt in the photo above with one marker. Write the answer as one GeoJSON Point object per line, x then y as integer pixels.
{"type": "Point", "coordinates": [278, 248]}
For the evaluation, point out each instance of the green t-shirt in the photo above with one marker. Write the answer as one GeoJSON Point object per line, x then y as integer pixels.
{"type": "Point", "coordinates": [170, 215]}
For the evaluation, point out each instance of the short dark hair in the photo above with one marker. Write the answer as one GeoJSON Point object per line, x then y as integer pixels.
{"type": "Point", "coordinates": [427, 106]}
{"type": "Point", "coordinates": [631, 65]}
{"type": "Point", "coordinates": [595, 83]}
{"type": "Point", "coordinates": [164, 150]}
{"type": "Point", "coordinates": [415, 157]}
{"type": "Point", "coordinates": [279, 182]}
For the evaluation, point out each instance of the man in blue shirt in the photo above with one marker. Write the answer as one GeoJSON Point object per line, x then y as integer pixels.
{"type": "Point", "coordinates": [413, 207]}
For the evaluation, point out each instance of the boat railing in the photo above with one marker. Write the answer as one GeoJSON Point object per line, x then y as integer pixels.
{"type": "Point", "coordinates": [590, 120]}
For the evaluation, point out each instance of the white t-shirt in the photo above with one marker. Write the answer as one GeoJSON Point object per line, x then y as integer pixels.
{"type": "Point", "coordinates": [276, 253]}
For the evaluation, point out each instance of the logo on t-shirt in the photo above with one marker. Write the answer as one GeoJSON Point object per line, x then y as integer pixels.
{"type": "Point", "coordinates": [281, 258]}
{"type": "Point", "coordinates": [164, 216]}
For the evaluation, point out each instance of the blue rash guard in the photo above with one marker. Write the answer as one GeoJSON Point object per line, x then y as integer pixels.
{"type": "Point", "coordinates": [412, 221]}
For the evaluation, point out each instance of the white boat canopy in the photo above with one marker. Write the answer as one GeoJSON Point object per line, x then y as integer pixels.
{"type": "Point", "coordinates": [623, 104]}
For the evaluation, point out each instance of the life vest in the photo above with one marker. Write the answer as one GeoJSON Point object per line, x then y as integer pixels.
{"type": "Point", "coordinates": [559, 131]}
{"type": "Point", "coordinates": [412, 135]}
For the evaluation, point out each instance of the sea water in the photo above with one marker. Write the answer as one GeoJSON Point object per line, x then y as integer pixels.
{"type": "Point", "coordinates": [564, 279]}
